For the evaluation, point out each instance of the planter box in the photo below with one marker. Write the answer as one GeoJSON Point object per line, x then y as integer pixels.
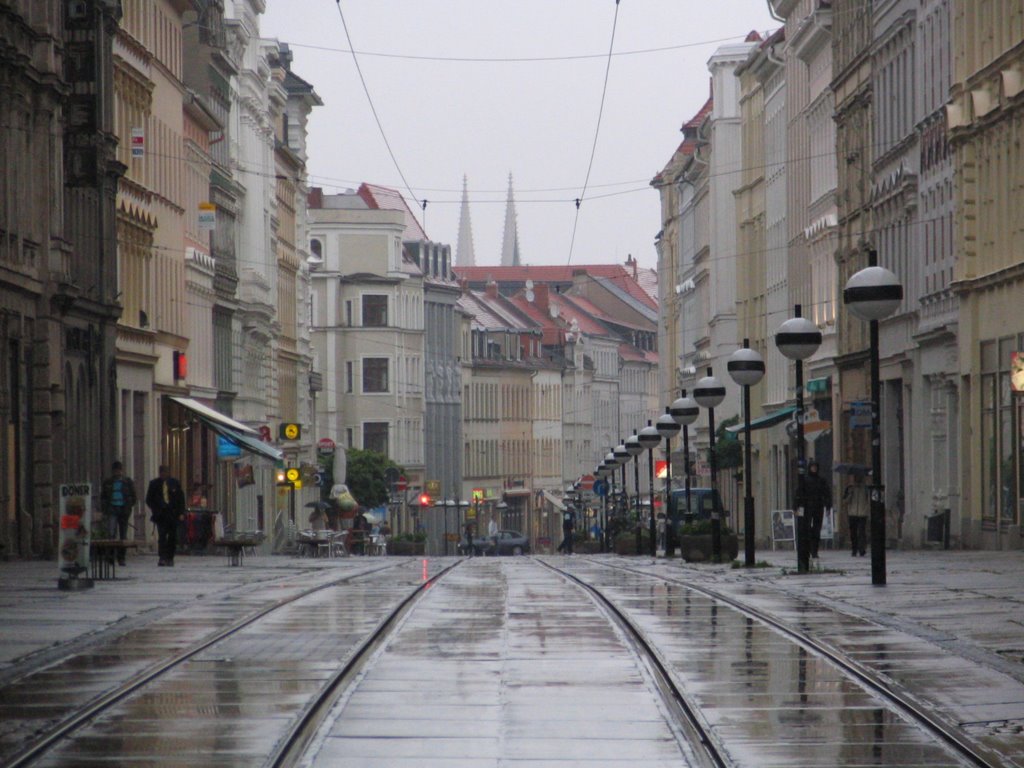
{"type": "Point", "coordinates": [625, 544]}
{"type": "Point", "coordinates": [697, 549]}
{"type": "Point", "coordinates": [407, 548]}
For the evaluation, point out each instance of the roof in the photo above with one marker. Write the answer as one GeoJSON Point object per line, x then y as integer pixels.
{"type": "Point", "coordinates": [384, 198]}
{"type": "Point", "coordinates": [696, 120]}
{"type": "Point", "coordinates": [493, 313]}
{"type": "Point", "coordinates": [638, 300]}
{"type": "Point", "coordinates": [615, 274]}
{"type": "Point", "coordinates": [631, 354]}
{"type": "Point", "coordinates": [553, 273]}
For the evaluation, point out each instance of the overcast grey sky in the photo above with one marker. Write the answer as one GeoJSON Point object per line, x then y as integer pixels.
{"type": "Point", "coordinates": [533, 119]}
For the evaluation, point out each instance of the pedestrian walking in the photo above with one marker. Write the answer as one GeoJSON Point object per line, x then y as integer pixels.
{"type": "Point", "coordinates": [817, 495]}
{"type": "Point", "coordinates": [492, 534]}
{"type": "Point", "coordinates": [568, 524]}
{"type": "Point", "coordinates": [857, 500]}
{"type": "Point", "coordinates": [117, 499]}
{"type": "Point", "coordinates": [166, 501]}
{"type": "Point", "coordinates": [468, 532]}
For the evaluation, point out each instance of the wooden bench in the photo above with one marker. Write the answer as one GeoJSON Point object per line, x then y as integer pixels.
{"type": "Point", "coordinates": [104, 555]}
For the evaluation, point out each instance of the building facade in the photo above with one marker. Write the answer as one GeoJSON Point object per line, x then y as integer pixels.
{"type": "Point", "coordinates": [59, 299]}
{"type": "Point", "coordinates": [986, 131]}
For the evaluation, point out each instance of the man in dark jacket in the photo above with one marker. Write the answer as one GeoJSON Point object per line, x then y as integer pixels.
{"type": "Point", "coordinates": [568, 525]}
{"type": "Point", "coordinates": [817, 497]}
{"type": "Point", "coordinates": [117, 499]}
{"type": "Point", "coordinates": [166, 502]}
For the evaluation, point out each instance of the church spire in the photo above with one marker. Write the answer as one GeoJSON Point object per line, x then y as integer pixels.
{"type": "Point", "coordinates": [510, 241]}
{"type": "Point", "coordinates": [465, 256]}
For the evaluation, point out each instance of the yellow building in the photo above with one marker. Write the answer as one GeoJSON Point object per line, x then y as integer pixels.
{"type": "Point", "coordinates": [986, 123]}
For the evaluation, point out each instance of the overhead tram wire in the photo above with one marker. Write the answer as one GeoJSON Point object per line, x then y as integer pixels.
{"type": "Point", "coordinates": [373, 109]}
{"type": "Point", "coordinates": [518, 59]}
{"type": "Point", "coordinates": [597, 131]}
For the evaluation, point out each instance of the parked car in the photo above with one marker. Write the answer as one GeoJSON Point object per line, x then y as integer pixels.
{"type": "Point", "coordinates": [702, 502]}
{"type": "Point", "coordinates": [509, 543]}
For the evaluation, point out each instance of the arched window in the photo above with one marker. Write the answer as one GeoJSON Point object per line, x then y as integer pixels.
{"type": "Point", "coordinates": [316, 249]}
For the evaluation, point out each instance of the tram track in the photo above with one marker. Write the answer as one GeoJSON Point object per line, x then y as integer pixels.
{"type": "Point", "coordinates": [688, 716]}
{"type": "Point", "coordinates": [907, 706]}
{"type": "Point", "coordinates": [293, 745]}
{"type": "Point", "coordinates": [83, 715]}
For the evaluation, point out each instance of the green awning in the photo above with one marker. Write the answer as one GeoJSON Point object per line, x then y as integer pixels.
{"type": "Point", "coordinates": [762, 422]}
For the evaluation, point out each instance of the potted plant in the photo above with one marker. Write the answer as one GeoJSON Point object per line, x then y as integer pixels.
{"type": "Point", "coordinates": [695, 542]}
{"type": "Point", "coordinates": [408, 544]}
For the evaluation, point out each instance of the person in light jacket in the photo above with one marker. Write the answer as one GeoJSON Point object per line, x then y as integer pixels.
{"type": "Point", "coordinates": [857, 500]}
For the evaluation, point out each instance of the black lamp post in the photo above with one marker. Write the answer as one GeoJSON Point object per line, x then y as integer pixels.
{"type": "Point", "coordinates": [747, 368]}
{"type": "Point", "coordinates": [621, 459]}
{"type": "Point", "coordinates": [601, 473]}
{"type": "Point", "coordinates": [634, 448]}
{"type": "Point", "coordinates": [649, 438]}
{"type": "Point", "coordinates": [668, 428]}
{"type": "Point", "coordinates": [708, 393]}
{"type": "Point", "coordinates": [685, 411]}
{"type": "Point", "coordinates": [798, 338]}
{"type": "Point", "coordinates": [873, 294]}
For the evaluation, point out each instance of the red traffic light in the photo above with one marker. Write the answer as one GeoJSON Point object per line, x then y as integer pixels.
{"type": "Point", "coordinates": [424, 500]}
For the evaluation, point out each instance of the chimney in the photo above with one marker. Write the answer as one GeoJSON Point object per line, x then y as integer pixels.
{"type": "Point", "coordinates": [540, 296]}
{"type": "Point", "coordinates": [491, 289]}
{"type": "Point", "coordinates": [631, 262]}
{"type": "Point", "coordinates": [315, 199]}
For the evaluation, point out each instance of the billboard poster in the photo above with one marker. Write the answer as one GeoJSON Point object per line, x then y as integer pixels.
{"type": "Point", "coordinates": [75, 524]}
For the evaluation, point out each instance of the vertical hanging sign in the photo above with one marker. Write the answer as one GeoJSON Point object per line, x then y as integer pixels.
{"type": "Point", "coordinates": [138, 142]}
{"type": "Point", "coordinates": [207, 217]}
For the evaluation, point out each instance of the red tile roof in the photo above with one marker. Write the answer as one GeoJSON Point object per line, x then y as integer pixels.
{"type": "Point", "coordinates": [383, 198]}
{"type": "Point", "coordinates": [696, 120]}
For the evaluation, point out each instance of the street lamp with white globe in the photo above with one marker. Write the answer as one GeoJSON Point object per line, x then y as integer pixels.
{"type": "Point", "coordinates": [649, 438]}
{"type": "Point", "coordinates": [685, 411]}
{"type": "Point", "coordinates": [634, 448]}
{"type": "Point", "coordinates": [873, 294]}
{"type": "Point", "coordinates": [798, 338]}
{"type": "Point", "coordinates": [668, 428]}
{"type": "Point", "coordinates": [709, 393]}
{"type": "Point", "coordinates": [747, 368]}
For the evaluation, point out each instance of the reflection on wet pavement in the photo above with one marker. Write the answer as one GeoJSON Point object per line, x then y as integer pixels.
{"type": "Point", "coordinates": [230, 704]}
{"type": "Point", "coordinates": [504, 662]}
{"type": "Point", "coordinates": [768, 700]}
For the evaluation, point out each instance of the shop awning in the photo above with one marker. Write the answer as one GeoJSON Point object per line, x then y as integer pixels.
{"type": "Point", "coordinates": [212, 417]}
{"type": "Point", "coordinates": [249, 443]}
{"type": "Point", "coordinates": [762, 422]}
{"type": "Point", "coordinates": [234, 431]}
{"type": "Point", "coordinates": [554, 500]}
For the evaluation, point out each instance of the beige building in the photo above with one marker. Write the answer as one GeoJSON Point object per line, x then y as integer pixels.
{"type": "Point", "coordinates": [986, 130]}
{"type": "Point", "coordinates": [852, 89]}
{"type": "Point", "coordinates": [367, 309]}
{"type": "Point", "coordinates": [149, 120]}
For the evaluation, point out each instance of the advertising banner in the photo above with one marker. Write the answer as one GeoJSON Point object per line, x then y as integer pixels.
{"type": "Point", "coordinates": [75, 534]}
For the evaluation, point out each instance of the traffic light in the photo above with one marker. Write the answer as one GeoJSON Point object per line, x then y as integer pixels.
{"type": "Point", "coordinates": [424, 500]}
{"type": "Point", "coordinates": [289, 431]}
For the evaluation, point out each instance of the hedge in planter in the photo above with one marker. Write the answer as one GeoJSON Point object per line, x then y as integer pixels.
{"type": "Point", "coordinates": [695, 542]}
{"type": "Point", "coordinates": [408, 544]}
{"type": "Point", "coordinates": [625, 543]}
